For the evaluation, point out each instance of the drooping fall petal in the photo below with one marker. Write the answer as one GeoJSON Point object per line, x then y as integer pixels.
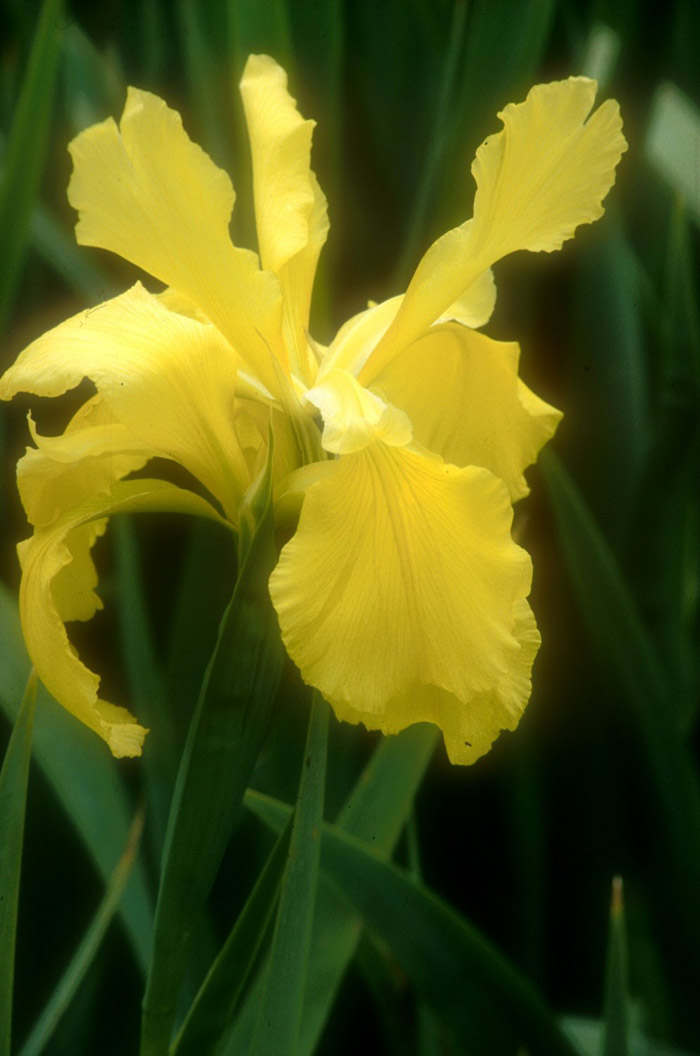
{"type": "Point", "coordinates": [402, 575]}
{"type": "Point", "coordinates": [144, 190]}
{"type": "Point", "coordinates": [169, 379]}
{"type": "Point", "coordinates": [469, 727]}
{"type": "Point", "coordinates": [58, 581]}
{"type": "Point", "coordinates": [465, 401]}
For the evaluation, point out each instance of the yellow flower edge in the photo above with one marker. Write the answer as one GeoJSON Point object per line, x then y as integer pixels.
{"type": "Point", "coordinates": [401, 595]}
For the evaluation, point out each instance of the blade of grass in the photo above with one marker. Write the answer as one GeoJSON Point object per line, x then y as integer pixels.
{"type": "Point", "coordinates": [26, 151]}
{"type": "Point", "coordinates": [228, 729]}
{"type": "Point", "coordinates": [144, 677]}
{"type": "Point", "coordinates": [84, 777]}
{"type": "Point", "coordinates": [59, 250]}
{"type": "Point", "coordinates": [616, 1039]}
{"type": "Point", "coordinates": [281, 1005]}
{"type": "Point", "coordinates": [14, 777]}
{"type": "Point", "coordinates": [260, 25]}
{"type": "Point", "coordinates": [84, 956]}
{"type": "Point", "coordinates": [428, 1028]}
{"type": "Point", "coordinates": [475, 990]}
{"type": "Point", "coordinates": [218, 995]}
{"type": "Point", "coordinates": [200, 69]}
{"type": "Point", "coordinates": [376, 811]}
{"type": "Point", "coordinates": [635, 668]}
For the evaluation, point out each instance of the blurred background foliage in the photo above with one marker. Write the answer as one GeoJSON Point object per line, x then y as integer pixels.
{"type": "Point", "coordinates": [601, 777]}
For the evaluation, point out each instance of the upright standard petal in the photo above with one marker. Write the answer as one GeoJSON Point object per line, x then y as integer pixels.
{"type": "Point", "coordinates": [58, 584]}
{"type": "Point", "coordinates": [144, 190]}
{"type": "Point", "coordinates": [538, 179]}
{"type": "Point", "coordinates": [169, 379]}
{"type": "Point", "coordinates": [402, 575]}
{"type": "Point", "coordinates": [465, 401]}
{"type": "Point", "coordinates": [290, 207]}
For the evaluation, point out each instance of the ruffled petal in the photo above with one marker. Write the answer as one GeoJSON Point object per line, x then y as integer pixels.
{"type": "Point", "coordinates": [63, 471]}
{"type": "Point", "coordinates": [469, 727]}
{"type": "Point", "coordinates": [547, 171]}
{"type": "Point", "coordinates": [402, 575]}
{"type": "Point", "coordinates": [170, 380]}
{"type": "Point", "coordinates": [465, 401]}
{"type": "Point", "coordinates": [538, 179]}
{"type": "Point", "coordinates": [144, 190]}
{"type": "Point", "coordinates": [290, 208]}
{"type": "Point", "coordinates": [58, 584]}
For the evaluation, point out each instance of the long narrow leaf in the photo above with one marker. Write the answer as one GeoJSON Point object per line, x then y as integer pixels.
{"type": "Point", "coordinates": [227, 731]}
{"type": "Point", "coordinates": [376, 811]}
{"type": "Point", "coordinates": [26, 150]}
{"type": "Point", "coordinates": [628, 651]}
{"type": "Point", "coordinates": [13, 798]}
{"type": "Point", "coordinates": [279, 1015]}
{"type": "Point", "coordinates": [616, 1040]}
{"type": "Point", "coordinates": [476, 991]}
{"type": "Point", "coordinates": [146, 685]}
{"type": "Point", "coordinates": [85, 954]}
{"type": "Point", "coordinates": [218, 996]}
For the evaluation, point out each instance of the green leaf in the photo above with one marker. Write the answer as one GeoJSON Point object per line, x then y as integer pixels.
{"type": "Point", "coordinates": [587, 1035]}
{"type": "Point", "coordinates": [376, 811]}
{"type": "Point", "coordinates": [636, 670]}
{"type": "Point", "coordinates": [26, 150]}
{"type": "Point", "coordinates": [600, 58]}
{"type": "Point", "coordinates": [494, 75]}
{"type": "Point", "coordinates": [84, 956]}
{"type": "Point", "coordinates": [218, 995]}
{"type": "Point", "coordinates": [200, 69]}
{"type": "Point", "coordinates": [614, 421]}
{"type": "Point", "coordinates": [616, 1034]}
{"type": "Point", "coordinates": [606, 604]}
{"type": "Point", "coordinates": [14, 777]}
{"type": "Point", "coordinates": [228, 729]}
{"type": "Point", "coordinates": [281, 1004]}
{"type": "Point", "coordinates": [86, 780]}
{"type": "Point", "coordinates": [147, 690]}
{"type": "Point", "coordinates": [672, 144]}
{"type": "Point", "coordinates": [58, 249]}
{"type": "Point", "coordinates": [260, 26]}
{"type": "Point", "coordinates": [476, 991]}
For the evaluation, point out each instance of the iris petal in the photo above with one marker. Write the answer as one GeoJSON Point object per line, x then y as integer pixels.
{"type": "Point", "coordinates": [402, 575]}
{"type": "Point", "coordinates": [169, 379]}
{"type": "Point", "coordinates": [290, 208]}
{"type": "Point", "coordinates": [144, 190]}
{"type": "Point", "coordinates": [545, 173]}
{"type": "Point", "coordinates": [462, 393]}
{"type": "Point", "coordinates": [58, 581]}
{"type": "Point", "coordinates": [470, 726]}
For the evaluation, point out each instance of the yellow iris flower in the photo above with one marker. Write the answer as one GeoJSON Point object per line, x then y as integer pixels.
{"type": "Point", "coordinates": [401, 596]}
